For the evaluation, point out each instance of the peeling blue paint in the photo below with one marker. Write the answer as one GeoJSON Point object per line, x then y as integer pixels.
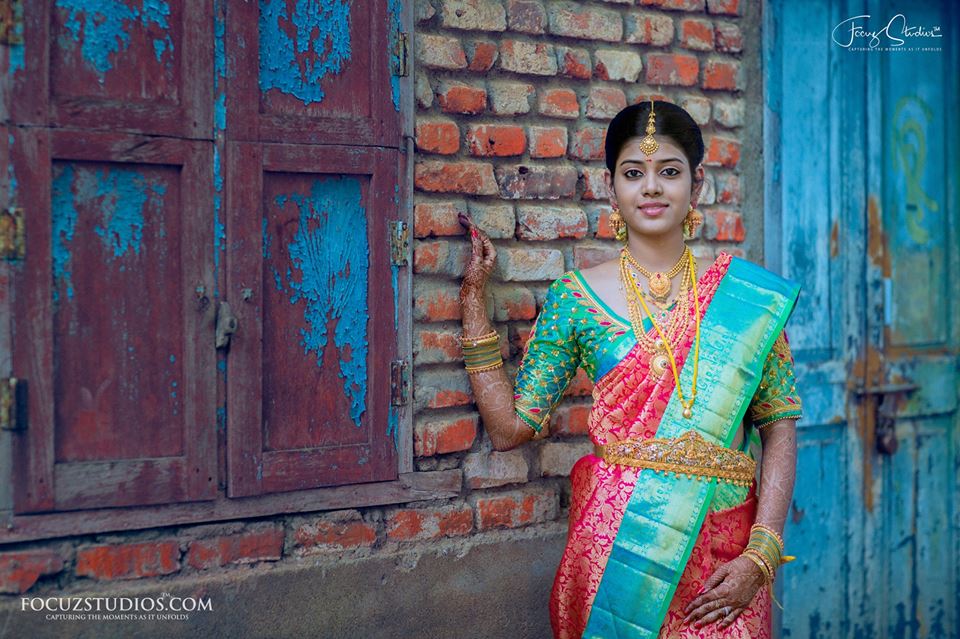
{"type": "Point", "coordinates": [103, 26]}
{"type": "Point", "coordinates": [395, 10]}
{"type": "Point", "coordinates": [321, 46]}
{"type": "Point", "coordinates": [64, 220]}
{"type": "Point", "coordinates": [125, 194]}
{"type": "Point", "coordinates": [393, 426]}
{"type": "Point", "coordinates": [331, 258]}
{"type": "Point", "coordinates": [17, 60]}
{"type": "Point", "coordinates": [394, 273]}
{"type": "Point", "coordinates": [11, 174]}
{"type": "Point", "coordinates": [221, 419]}
{"type": "Point", "coordinates": [173, 358]}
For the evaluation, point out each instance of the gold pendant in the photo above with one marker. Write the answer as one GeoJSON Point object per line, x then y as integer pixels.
{"type": "Point", "coordinates": [659, 286]}
{"type": "Point", "coordinates": [658, 364]}
{"type": "Point", "coordinates": [687, 412]}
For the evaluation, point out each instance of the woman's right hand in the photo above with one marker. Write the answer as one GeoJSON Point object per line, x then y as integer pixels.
{"type": "Point", "coordinates": [483, 256]}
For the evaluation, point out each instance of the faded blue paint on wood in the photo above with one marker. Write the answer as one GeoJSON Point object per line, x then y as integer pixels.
{"type": "Point", "coordinates": [330, 259]}
{"type": "Point", "coordinates": [320, 46]}
{"type": "Point", "coordinates": [64, 221]}
{"type": "Point", "coordinates": [395, 13]}
{"type": "Point", "coordinates": [102, 28]}
{"type": "Point", "coordinates": [16, 51]}
{"type": "Point", "coordinates": [11, 173]}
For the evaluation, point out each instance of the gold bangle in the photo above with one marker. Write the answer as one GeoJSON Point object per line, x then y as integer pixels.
{"type": "Point", "coordinates": [760, 562]}
{"type": "Point", "coordinates": [769, 531]}
{"type": "Point", "coordinates": [479, 340]}
{"type": "Point", "coordinates": [482, 369]}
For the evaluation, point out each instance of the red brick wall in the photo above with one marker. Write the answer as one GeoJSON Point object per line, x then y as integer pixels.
{"type": "Point", "coordinates": [512, 101]}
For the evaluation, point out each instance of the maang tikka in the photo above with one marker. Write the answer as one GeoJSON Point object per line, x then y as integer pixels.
{"type": "Point", "coordinates": [648, 144]}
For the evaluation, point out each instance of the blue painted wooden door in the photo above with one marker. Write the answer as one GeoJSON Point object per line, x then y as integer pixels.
{"type": "Point", "coordinates": [861, 208]}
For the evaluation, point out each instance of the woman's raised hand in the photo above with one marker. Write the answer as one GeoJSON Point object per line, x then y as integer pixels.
{"type": "Point", "coordinates": [481, 260]}
{"type": "Point", "coordinates": [727, 592]}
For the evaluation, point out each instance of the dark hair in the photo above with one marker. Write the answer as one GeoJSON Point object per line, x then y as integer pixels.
{"type": "Point", "coordinates": [671, 121]}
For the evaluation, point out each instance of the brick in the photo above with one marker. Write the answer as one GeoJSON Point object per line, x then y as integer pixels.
{"type": "Point", "coordinates": [728, 188]}
{"type": "Point", "coordinates": [129, 561]}
{"type": "Point", "coordinates": [675, 5]}
{"type": "Point", "coordinates": [20, 570]}
{"type": "Point", "coordinates": [573, 63]}
{"type": "Point", "coordinates": [243, 548]}
{"type": "Point", "coordinates": [423, 11]}
{"type": "Point", "coordinates": [441, 257]}
{"type": "Point", "coordinates": [722, 152]}
{"type": "Point", "coordinates": [526, 16]}
{"type": "Point", "coordinates": [521, 181]}
{"type": "Point", "coordinates": [721, 76]}
{"type": "Point", "coordinates": [550, 222]}
{"type": "Point", "coordinates": [339, 530]}
{"type": "Point", "coordinates": [556, 458]}
{"type": "Point", "coordinates": [605, 102]}
{"type": "Point", "coordinates": [594, 183]}
{"type": "Point", "coordinates": [435, 345]}
{"type": "Point", "coordinates": [580, 386]}
{"type": "Point", "coordinates": [439, 52]}
{"type": "Point", "coordinates": [457, 97]}
{"type": "Point", "coordinates": [437, 136]}
{"type": "Point", "coordinates": [498, 221]}
{"type": "Point", "coordinates": [653, 29]}
{"type": "Point", "coordinates": [587, 143]}
{"type": "Point", "coordinates": [442, 388]}
{"type": "Point", "coordinates": [724, 7]}
{"type": "Point", "coordinates": [435, 301]}
{"type": "Point", "coordinates": [496, 140]}
{"type": "Point", "coordinates": [437, 219]}
{"type": "Point", "coordinates": [423, 91]}
{"type": "Point", "coordinates": [617, 65]}
{"type": "Point", "coordinates": [472, 178]}
{"type": "Point", "coordinates": [489, 470]}
{"type": "Point", "coordinates": [573, 20]}
{"type": "Point", "coordinates": [723, 226]}
{"type": "Point", "coordinates": [509, 98]}
{"type": "Point", "coordinates": [672, 69]}
{"type": "Point", "coordinates": [512, 302]}
{"type": "Point", "coordinates": [532, 58]}
{"type": "Point", "coordinates": [516, 508]}
{"type": "Point", "coordinates": [473, 15]}
{"type": "Point", "coordinates": [729, 113]}
{"type": "Point", "coordinates": [696, 34]}
{"type": "Point", "coordinates": [697, 107]}
{"type": "Point", "coordinates": [570, 420]}
{"type": "Point", "coordinates": [728, 37]}
{"type": "Point", "coordinates": [559, 103]}
{"type": "Point", "coordinates": [424, 524]}
{"type": "Point", "coordinates": [481, 55]}
{"type": "Point", "coordinates": [587, 256]}
{"type": "Point", "coordinates": [599, 218]}
{"type": "Point", "coordinates": [529, 265]}
{"type": "Point", "coordinates": [440, 435]}
{"type": "Point", "coordinates": [547, 141]}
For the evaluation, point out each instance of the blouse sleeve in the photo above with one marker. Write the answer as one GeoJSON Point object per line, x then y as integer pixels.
{"type": "Point", "coordinates": [550, 359]}
{"type": "Point", "coordinates": [776, 398]}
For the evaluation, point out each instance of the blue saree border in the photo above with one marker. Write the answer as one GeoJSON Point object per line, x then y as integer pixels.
{"type": "Point", "coordinates": [665, 513]}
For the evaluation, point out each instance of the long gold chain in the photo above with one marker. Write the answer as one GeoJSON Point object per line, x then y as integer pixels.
{"type": "Point", "coordinates": [687, 404]}
{"type": "Point", "coordinates": [678, 320]}
{"type": "Point", "coordinates": [658, 282]}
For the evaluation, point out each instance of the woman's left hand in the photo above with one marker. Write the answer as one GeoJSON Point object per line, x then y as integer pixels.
{"type": "Point", "coordinates": [727, 592]}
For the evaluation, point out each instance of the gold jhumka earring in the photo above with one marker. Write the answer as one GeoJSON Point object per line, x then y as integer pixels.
{"type": "Point", "coordinates": [691, 222]}
{"type": "Point", "coordinates": [618, 225]}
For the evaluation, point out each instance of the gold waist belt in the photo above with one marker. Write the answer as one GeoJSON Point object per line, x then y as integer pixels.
{"type": "Point", "coordinates": [690, 455]}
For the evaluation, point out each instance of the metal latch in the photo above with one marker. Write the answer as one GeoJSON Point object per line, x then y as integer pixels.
{"type": "Point", "coordinates": [402, 69]}
{"type": "Point", "coordinates": [11, 22]}
{"type": "Point", "coordinates": [12, 235]}
{"type": "Point", "coordinates": [399, 382]}
{"type": "Point", "coordinates": [13, 404]}
{"type": "Point", "coordinates": [399, 243]}
{"type": "Point", "coordinates": [227, 325]}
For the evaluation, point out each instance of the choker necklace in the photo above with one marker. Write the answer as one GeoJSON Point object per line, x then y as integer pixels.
{"type": "Point", "coordinates": [658, 282]}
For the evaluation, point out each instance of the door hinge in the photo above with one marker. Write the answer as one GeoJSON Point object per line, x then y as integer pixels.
{"type": "Point", "coordinates": [13, 404]}
{"type": "Point", "coordinates": [399, 243]}
{"type": "Point", "coordinates": [13, 244]}
{"type": "Point", "coordinates": [402, 68]}
{"type": "Point", "coordinates": [11, 22]}
{"type": "Point", "coordinates": [399, 382]}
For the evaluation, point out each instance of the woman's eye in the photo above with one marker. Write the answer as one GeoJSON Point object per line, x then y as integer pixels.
{"type": "Point", "coordinates": [632, 173]}
{"type": "Point", "coordinates": [670, 168]}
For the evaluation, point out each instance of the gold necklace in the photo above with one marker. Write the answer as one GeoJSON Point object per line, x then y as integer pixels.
{"type": "Point", "coordinates": [687, 404]}
{"type": "Point", "coordinates": [676, 328]}
{"type": "Point", "coordinates": [659, 283]}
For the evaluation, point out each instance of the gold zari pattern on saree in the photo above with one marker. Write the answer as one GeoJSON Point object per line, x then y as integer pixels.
{"type": "Point", "coordinates": [690, 455]}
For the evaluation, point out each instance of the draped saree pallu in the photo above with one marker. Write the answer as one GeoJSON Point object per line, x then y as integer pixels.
{"type": "Point", "coordinates": [642, 541]}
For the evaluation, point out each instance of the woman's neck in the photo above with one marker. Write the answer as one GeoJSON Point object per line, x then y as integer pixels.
{"type": "Point", "coordinates": [656, 253]}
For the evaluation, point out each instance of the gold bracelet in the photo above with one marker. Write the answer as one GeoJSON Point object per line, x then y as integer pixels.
{"type": "Point", "coordinates": [769, 531]}
{"type": "Point", "coordinates": [753, 556]}
{"type": "Point", "coordinates": [480, 340]}
{"type": "Point", "coordinates": [482, 369]}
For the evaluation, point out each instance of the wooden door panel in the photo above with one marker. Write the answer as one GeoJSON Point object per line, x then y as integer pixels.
{"type": "Point", "coordinates": [114, 327]}
{"type": "Point", "coordinates": [140, 66]}
{"type": "Point", "coordinates": [308, 378]}
{"type": "Point", "coordinates": [313, 74]}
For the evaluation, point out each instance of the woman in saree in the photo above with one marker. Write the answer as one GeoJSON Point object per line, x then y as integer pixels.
{"type": "Point", "coordinates": [670, 534]}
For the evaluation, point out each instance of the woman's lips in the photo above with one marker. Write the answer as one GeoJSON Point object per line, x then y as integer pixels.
{"type": "Point", "coordinates": [653, 210]}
